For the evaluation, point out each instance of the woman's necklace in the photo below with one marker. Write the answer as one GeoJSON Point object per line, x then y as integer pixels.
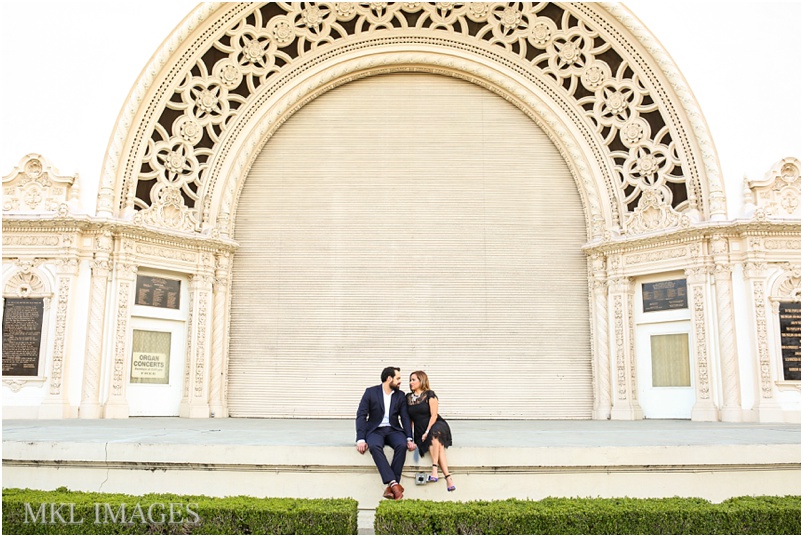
{"type": "Point", "coordinates": [417, 395]}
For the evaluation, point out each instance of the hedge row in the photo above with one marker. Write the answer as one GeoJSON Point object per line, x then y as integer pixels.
{"type": "Point", "coordinates": [27, 512]}
{"type": "Point", "coordinates": [572, 516]}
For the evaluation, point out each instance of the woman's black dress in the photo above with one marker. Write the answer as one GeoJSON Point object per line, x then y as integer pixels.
{"type": "Point", "coordinates": [420, 414]}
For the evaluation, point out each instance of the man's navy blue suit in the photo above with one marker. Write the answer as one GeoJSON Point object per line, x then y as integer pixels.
{"type": "Point", "coordinates": [369, 416]}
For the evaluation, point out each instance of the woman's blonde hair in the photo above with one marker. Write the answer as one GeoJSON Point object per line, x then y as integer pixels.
{"type": "Point", "coordinates": [422, 378]}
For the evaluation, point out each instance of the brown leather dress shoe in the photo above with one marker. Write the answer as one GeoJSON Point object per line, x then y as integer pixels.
{"type": "Point", "coordinates": [397, 490]}
{"type": "Point", "coordinates": [388, 493]}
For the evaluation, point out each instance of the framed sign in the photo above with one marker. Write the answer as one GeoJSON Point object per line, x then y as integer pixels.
{"type": "Point", "coordinates": [789, 321]}
{"type": "Point", "coordinates": [22, 336]}
{"type": "Point", "coordinates": [150, 359]}
{"type": "Point", "coordinates": [158, 292]}
{"type": "Point", "coordinates": [663, 296]}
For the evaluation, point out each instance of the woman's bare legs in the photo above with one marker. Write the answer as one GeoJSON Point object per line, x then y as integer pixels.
{"type": "Point", "coordinates": [443, 463]}
{"type": "Point", "coordinates": [434, 452]}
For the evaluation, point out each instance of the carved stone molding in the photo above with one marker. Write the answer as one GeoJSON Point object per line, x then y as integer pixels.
{"type": "Point", "coordinates": [777, 195]}
{"type": "Point", "coordinates": [787, 286]}
{"type": "Point", "coordinates": [26, 284]}
{"type": "Point", "coordinates": [582, 55]}
{"type": "Point", "coordinates": [36, 187]}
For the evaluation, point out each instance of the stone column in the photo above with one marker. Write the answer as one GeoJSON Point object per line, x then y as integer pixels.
{"type": "Point", "coordinates": [101, 270]}
{"type": "Point", "coordinates": [125, 276]}
{"type": "Point", "coordinates": [620, 312]}
{"type": "Point", "coordinates": [218, 378]}
{"type": "Point", "coordinates": [56, 404]}
{"type": "Point", "coordinates": [195, 403]}
{"type": "Point", "coordinates": [755, 273]}
{"type": "Point", "coordinates": [728, 357]}
{"type": "Point", "coordinates": [601, 343]}
{"type": "Point", "coordinates": [704, 408]}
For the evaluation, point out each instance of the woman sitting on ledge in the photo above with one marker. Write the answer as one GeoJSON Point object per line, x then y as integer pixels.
{"type": "Point", "coordinates": [430, 431]}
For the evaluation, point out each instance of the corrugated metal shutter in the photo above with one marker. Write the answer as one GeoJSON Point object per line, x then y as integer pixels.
{"type": "Point", "coordinates": [418, 221]}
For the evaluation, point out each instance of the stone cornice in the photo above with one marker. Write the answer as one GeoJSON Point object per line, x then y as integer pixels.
{"type": "Point", "coordinates": [89, 225]}
{"type": "Point", "coordinates": [706, 230]}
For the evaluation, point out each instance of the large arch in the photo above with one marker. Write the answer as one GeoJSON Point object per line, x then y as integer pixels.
{"type": "Point", "coordinates": [588, 75]}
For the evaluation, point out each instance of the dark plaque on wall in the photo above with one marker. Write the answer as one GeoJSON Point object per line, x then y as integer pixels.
{"type": "Point", "coordinates": [789, 317]}
{"type": "Point", "coordinates": [662, 296]}
{"type": "Point", "coordinates": [22, 336]}
{"type": "Point", "coordinates": [158, 292]}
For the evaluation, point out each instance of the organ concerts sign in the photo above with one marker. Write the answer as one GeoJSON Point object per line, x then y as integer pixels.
{"type": "Point", "coordinates": [150, 359]}
{"type": "Point", "coordinates": [789, 317]}
{"type": "Point", "coordinates": [22, 336]}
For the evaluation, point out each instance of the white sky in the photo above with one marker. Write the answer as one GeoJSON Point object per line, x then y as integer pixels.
{"type": "Point", "coordinates": [67, 68]}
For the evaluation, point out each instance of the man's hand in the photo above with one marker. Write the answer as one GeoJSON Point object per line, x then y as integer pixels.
{"type": "Point", "coordinates": [410, 445]}
{"type": "Point", "coordinates": [362, 447]}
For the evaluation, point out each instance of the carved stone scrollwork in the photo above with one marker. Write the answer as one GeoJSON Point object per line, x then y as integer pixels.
{"type": "Point", "coordinates": [25, 284]}
{"type": "Point", "coordinates": [589, 55]}
{"type": "Point", "coordinates": [36, 187]}
{"type": "Point", "coordinates": [777, 195]}
{"type": "Point", "coordinates": [653, 213]}
{"type": "Point", "coordinates": [788, 287]}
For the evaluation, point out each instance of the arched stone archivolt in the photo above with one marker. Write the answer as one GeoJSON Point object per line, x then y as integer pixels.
{"type": "Point", "coordinates": [239, 70]}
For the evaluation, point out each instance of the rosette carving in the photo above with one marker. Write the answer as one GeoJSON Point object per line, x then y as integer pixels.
{"type": "Point", "coordinates": [566, 46]}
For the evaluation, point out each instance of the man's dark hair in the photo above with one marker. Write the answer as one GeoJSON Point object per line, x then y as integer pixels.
{"type": "Point", "coordinates": [389, 372]}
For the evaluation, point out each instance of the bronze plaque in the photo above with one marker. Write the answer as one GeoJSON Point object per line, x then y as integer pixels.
{"type": "Point", "coordinates": [22, 336]}
{"type": "Point", "coordinates": [158, 292]}
{"type": "Point", "coordinates": [662, 296]}
{"type": "Point", "coordinates": [789, 317]}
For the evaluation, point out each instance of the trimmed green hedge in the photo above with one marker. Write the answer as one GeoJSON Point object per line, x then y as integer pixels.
{"type": "Point", "coordinates": [577, 516]}
{"type": "Point", "coordinates": [28, 512]}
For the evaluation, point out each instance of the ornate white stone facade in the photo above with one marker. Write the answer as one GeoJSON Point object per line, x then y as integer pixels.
{"type": "Point", "coordinates": [588, 75]}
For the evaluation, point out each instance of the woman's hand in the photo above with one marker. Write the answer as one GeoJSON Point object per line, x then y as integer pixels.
{"type": "Point", "coordinates": [424, 436]}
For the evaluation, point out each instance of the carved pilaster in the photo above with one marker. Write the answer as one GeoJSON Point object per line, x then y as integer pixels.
{"type": "Point", "coordinates": [195, 403]}
{"type": "Point", "coordinates": [729, 359]}
{"type": "Point", "coordinates": [101, 269]}
{"type": "Point", "coordinates": [704, 408]}
{"type": "Point", "coordinates": [625, 405]}
{"type": "Point", "coordinates": [755, 271]}
{"type": "Point", "coordinates": [56, 403]}
{"type": "Point", "coordinates": [125, 283]}
{"type": "Point", "coordinates": [220, 348]}
{"type": "Point", "coordinates": [602, 379]}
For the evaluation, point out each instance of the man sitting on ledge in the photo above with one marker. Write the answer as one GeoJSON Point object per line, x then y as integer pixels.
{"type": "Point", "coordinates": [382, 420]}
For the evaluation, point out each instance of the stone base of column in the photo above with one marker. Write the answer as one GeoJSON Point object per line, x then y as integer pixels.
{"type": "Point", "coordinates": [189, 410]}
{"type": "Point", "coordinates": [731, 414]}
{"type": "Point", "coordinates": [704, 412]}
{"type": "Point", "coordinates": [770, 413]}
{"type": "Point", "coordinates": [627, 411]}
{"type": "Point", "coordinates": [116, 411]}
{"type": "Point", "coordinates": [218, 411]}
{"type": "Point", "coordinates": [90, 411]}
{"type": "Point", "coordinates": [601, 414]}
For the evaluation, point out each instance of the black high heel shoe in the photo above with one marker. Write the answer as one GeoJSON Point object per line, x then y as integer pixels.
{"type": "Point", "coordinates": [431, 479]}
{"type": "Point", "coordinates": [448, 488]}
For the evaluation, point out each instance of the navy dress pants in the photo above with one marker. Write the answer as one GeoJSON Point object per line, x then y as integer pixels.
{"type": "Point", "coordinates": [377, 440]}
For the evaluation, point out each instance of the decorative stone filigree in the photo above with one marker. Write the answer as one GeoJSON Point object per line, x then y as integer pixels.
{"type": "Point", "coordinates": [653, 213]}
{"type": "Point", "coordinates": [264, 45]}
{"type": "Point", "coordinates": [15, 384]}
{"type": "Point", "coordinates": [25, 284]}
{"type": "Point", "coordinates": [788, 286]}
{"type": "Point", "coordinates": [36, 187]}
{"type": "Point", "coordinates": [777, 195]}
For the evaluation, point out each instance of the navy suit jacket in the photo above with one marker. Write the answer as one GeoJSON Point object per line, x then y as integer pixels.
{"type": "Point", "coordinates": [372, 410]}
